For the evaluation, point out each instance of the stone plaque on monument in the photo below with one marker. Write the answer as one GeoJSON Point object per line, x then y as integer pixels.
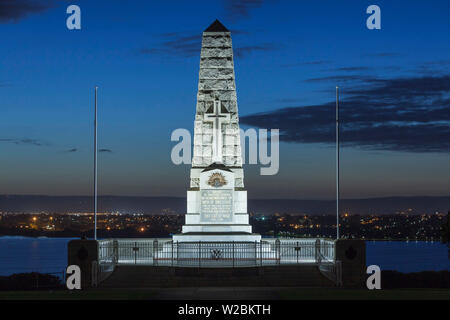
{"type": "Point", "coordinates": [216, 196]}
{"type": "Point", "coordinates": [216, 205]}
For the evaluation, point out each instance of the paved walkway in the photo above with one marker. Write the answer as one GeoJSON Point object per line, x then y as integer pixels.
{"type": "Point", "coordinates": [217, 293]}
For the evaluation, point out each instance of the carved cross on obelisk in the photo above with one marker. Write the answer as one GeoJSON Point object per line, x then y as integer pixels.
{"type": "Point", "coordinates": [217, 118]}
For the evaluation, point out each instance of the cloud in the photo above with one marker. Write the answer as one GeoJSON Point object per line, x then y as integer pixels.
{"type": "Point", "coordinates": [351, 69]}
{"type": "Point", "coordinates": [14, 10]}
{"type": "Point", "coordinates": [237, 9]}
{"type": "Point", "coordinates": [340, 78]}
{"type": "Point", "coordinates": [401, 114]}
{"type": "Point", "coordinates": [434, 67]}
{"type": "Point", "coordinates": [438, 62]}
{"type": "Point", "coordinates": [247, 50]}
{"type": "Point", "coordinates": [289, 100]}
{"type": "Point", "coordinates": [5, 84]}
{"type": "Point", "coordinates": [177, 44]}
{"type": "Point", "coordinates": [405, 88]}
{"type": "Point", "coordinates": [237, 32]}
{"type": "Point", "coordinates": [105, 150]}
{"type": "Point", "coordinates": [181, 45]}
{"type": "Point", "coordinates": [306, 63]}
{"type": "Point", "coordinates": [25, 141]}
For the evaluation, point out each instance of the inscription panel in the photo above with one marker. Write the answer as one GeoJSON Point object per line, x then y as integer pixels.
{"type": "Point", "coordinates": [216, 206]}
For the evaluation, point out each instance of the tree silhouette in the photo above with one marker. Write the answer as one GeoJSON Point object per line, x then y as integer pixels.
{"type": "Point", "coordinates": [446, 230]}
{"type": "Point", "coordinates": [445, 236]}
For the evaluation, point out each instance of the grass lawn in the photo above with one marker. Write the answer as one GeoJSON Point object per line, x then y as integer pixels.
{"type": "Point", "coordinates": [92, 294]}
{"type": "Point", "coordinates": [363, 294]}
{"type": "Point", "coordinates": [280, 293]}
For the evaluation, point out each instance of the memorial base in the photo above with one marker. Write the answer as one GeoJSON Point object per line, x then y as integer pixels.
{"type": "Point", "coordinates": [212, 237]}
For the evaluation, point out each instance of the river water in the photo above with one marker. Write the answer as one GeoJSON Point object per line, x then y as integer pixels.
{"type": "Point", "coordinates": [49, 255]}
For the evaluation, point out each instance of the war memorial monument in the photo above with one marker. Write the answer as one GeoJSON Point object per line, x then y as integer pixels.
{"type": "Point", "coordinates": [217, 245]}
{"type": "Point", "coordinates": [216, 199]}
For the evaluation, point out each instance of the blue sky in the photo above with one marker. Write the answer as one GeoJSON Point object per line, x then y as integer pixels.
{"type": "Point", "coordinates": [289, 56]}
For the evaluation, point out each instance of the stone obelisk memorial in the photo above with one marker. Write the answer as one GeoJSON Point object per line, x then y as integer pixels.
{"type": "Point", "coordinates": [217, 232]}
{"type": "Point", "coordinates": [216, 199]}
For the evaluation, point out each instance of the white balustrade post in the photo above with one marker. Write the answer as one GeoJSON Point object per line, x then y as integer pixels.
{"type": "Point", "coordinates": [317, 251]}
{"type": "Point", "coordinates": [233, 253]}
{"type": "Point", "coordinates": [155, 252]}
{"type": "Point", "coordinates": [256, 253]}
{"type": "Point", "coordinates": [278, 250]}
{"type": "Point", "coordinates": [260, 253]}
{"type": "Point", "coordinates": [115, 252]}
{"type": "Point", "coordinates": [199, 254]}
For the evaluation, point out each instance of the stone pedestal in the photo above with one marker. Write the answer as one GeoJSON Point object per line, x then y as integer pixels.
{"type": "Point", "coordinates": [352, 254]}
{"type": "Point", "coordinates": [84, 253]}
{"type": "Point", "coordinates": [217, 236]}
{"type": "Point", "coordinates": [217, 211]}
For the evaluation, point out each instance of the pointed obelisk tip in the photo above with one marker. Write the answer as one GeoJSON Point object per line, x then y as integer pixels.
{"type": "Point", "coordinates": [216, 26]}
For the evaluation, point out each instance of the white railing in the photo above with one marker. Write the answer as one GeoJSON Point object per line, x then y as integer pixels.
{"type": "Point", "coordinates": [106, 253]}
{"type": "Point", "coordinates": [267, 252]}
{"type": "Point", "coordinates": [332, 271]}
{"type": "Point", "coordinates": [165, 252]}
{"type": "Point", "coordinates": [326, 261]}
{"type": "Point", "coordinates": [327, 250]}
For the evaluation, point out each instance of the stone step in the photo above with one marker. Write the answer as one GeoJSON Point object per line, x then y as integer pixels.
{"type": "Point", "coordinates": [150, 276]}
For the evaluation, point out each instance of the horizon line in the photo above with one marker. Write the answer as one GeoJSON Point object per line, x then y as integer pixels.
{"type": "Point", "coordinates": [265, 199]}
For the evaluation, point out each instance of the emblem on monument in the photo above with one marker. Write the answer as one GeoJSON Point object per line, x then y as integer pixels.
{"type": "Point", "coordinates": [217, 180]}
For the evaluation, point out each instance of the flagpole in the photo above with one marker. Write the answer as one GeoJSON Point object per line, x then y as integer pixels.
{"type": "Point", "coordinates": [337, 162]}
{"type": "Point", "coordinates": [95, 166]}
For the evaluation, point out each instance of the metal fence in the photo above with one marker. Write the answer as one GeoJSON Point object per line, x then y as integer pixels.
{"type": "Point", "coordinates": [164, 252]}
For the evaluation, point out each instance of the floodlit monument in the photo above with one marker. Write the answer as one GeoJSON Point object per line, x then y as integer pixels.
{"type": "Point", "coordinates": [217, 242]}
{"type": "Point", "coordinates": [216, 199]}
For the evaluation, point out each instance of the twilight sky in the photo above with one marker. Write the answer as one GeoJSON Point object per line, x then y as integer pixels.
{"type": "Point", "coordinates": [289, 56]}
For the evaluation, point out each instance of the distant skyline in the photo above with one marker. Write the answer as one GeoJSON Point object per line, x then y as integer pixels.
{"type": "Point", "coordinates": [289, 56]}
